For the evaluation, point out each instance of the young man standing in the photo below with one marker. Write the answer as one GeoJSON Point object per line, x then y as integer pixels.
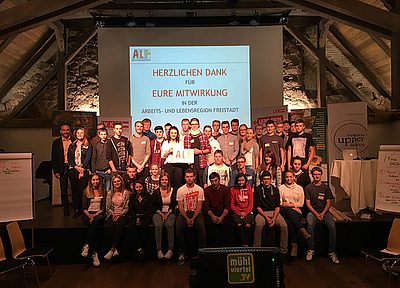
{"type": "Point", "coordinates": [216, 124]}
{"type": "Point", "coordinates": [272, 142]}
{"type": "Point", "coordinates": [259, 132]}
{"type": "Point", "coordinates": [318, 201]}
{"type": "Point", "coordinates": [167, 126]}
{"type": "Point", "coordinates": [96, 138]}
{"type": "Point", "coordinates": [246, 170]}
{"type": "Point", "coordinates": [185, 128]}
{"type": "Point", "coordinates": [199, 142]}
{"type": "Point", "coordinates": [59, 163]}
{"type": "Point", "coordinates": [235, 127]}
{"type": "Point", "coordinates": [146, 129]}
{"type": "Point", "coordinates": [217, 206]}
{"type": "Point", "coordinates": [229, 145]}
{"type": "Point", "coordinates": [117, 151]}
{"type": "Point", "coordinates": [99, 163]}
{"type": "Point", "coordinates": [300, 145]}
{"type": "Point", "coordinates": [190, 198]}
{"type": "Point", "coordinates": [140, 150]}
{"type": "Point", "coordinates": [219, 167]}
{"type": "Point", "coordinates": [155, 147]}
{"type": "Point", "coordinates": [267, 203]}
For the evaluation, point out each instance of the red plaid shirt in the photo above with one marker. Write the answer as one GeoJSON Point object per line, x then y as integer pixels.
{"type": "Point", "coordinates": [204, 145]}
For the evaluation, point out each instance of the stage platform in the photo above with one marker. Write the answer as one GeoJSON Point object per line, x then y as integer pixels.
{"type": "Point", "coordinates": [67, 236]}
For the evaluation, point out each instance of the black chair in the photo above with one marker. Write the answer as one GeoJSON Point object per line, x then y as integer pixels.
{"type": "Point", "coordinates": [7, 265]}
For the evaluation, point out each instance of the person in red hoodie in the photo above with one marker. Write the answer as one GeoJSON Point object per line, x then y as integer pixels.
{"type": "Point", "coordinates": [241, 207]}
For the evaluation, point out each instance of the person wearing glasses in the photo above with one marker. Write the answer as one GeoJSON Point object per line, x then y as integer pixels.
{"type": "Point", "coordinates": [246, 170]}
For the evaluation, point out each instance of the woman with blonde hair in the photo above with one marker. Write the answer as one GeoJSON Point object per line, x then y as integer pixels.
{"type": "Point", "coordinates": [250, 149]}
{"type": "Point", "coordinates": [79, 156]}
{"type": "Point", "coordinates": [152, 181]}
{"type": "Point", "coordinates": [94, 206]}
{"type": "Point", "coordinates": [117, 206]}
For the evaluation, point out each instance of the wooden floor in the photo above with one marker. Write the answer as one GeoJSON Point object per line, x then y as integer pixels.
{"type": "Point", "coordinates": [318, 273]}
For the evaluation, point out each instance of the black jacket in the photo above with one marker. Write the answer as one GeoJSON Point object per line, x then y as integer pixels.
{"type": "Point", "coordinates": [57, 155]}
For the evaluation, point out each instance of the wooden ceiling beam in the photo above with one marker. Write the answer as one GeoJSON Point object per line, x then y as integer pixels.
{"type": "Point", "coordinates": [86, 37]}
{"type": "Point", "coordinates": [34, 13]}
{"type": "Point", "coordinates": [359, 96]}
{"type": "Point", "coordinates": [359, 61]}
{"type": "Point", "coordinates": [353, 13]}
{"type": "Point", "coordinates": [6, 42]}
{"type": "Point", "coordinates": [378, 40]}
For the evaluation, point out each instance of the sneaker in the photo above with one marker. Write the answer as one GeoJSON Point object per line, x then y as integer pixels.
{"type": "Point", "coordinates": [141, 253]}
{"type": "Point", "coordinates": [109, 255]}
{"type": "Point", "coordinates": [77, 214]}
{"type": "Point", "coordinates": [182, 259]}
{"type": "Point", "coordinates": [334, 257]}
{"type": "Point", "coordinates": [85, 250]}
{"type": "Point", "coordinates": [160, 255]}
{"type": "Point", "coordinates": [310, 254]}
{"type": "Point", "coordinates": [95, 258]}
{"type": "Point", "coordinates": [169, 254]}
{"type": "Point", "coordinates": [115, 253]}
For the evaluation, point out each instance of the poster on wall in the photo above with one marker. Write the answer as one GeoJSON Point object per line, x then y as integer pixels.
{"type": "Point", "coordinates": [262, 114]}
{"type": "Point", "coordinates": [315, 122]}
{"type": "Point", "coordinates": [110, 121]}
{"type": "Point", "coordinates": [75, 120]}
{"type": "Point", "coordinates": [388, 179]}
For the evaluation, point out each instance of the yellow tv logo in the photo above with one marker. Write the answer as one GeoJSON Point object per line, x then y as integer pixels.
{"type": "Point", "coordinates": [141, 55]}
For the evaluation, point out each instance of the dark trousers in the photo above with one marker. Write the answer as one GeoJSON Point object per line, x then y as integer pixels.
{"type": "Point", "coordinates": [180, 231]}
{"type": "Point", "coordinates": [243, 232]}
{"type": "Point", "coordinates": [114, 229]}
{"type": "Point", "coordinates": [77, 185]}
{"type": "Point", "coordinates": [217, 233]}
{"type": "Point", "coordinates": [293, 221]}
{"type": "Point", "coordinates": [198, 172]}
{"type": "Point", "coordinates": [144, 173]}
{"type": "Point", "coordinates": [139, 233]}
{"type": "Point", "coordinates": [94, 230]}
{"type": "Point", "coordinates": [175, 173]}
{"type": "Point", "coordinates": [64, 187]}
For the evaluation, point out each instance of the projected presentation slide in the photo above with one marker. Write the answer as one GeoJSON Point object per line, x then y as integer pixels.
{"type": "Point", "coordinates": [168, 84]}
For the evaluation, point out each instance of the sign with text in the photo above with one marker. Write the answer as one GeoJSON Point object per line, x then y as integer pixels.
{"type": "Point", "coordinates": [261, 115]}
{"type": "Point", "coordinates": [110, 121]}
{"type": "Point", "coordinates": [240, 268]}
{"type": "Point", "coordinates": [388, 179]}
{"type": "Point", "coordinates": [183, 156]}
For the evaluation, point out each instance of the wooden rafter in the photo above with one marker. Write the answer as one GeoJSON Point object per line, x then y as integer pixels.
{"type": "Point", "coordinates": [58, 28]}
{"type": "Point", "coordinates": [324, 29]}
{"type": "Point", "coordinates": [34, 13]}
{"type": "Point", "coordinates": [86, 37]}
{"type": "Point", "coordinates": [353, 13]}
{"type": "Point", "coordinates": [332, 68]}
{"type": "Point", "coordinates": [321, 71]}
{"type": "Point", "coordinates": [358, 60]}
{"type": "Point", "coordinates": [378, 40]}
{"type": "Point", "coordinates": [6, 42]}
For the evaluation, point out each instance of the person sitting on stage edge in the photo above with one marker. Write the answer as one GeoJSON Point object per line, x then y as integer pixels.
{"type": "Point", "coordinates": [292, 199]}
{"type": "Point", "coordinates": [117, 206]}
{"type": "Point", "coordinates": [140, 215]}
{"type": "Point", "coordinates": [267, 203]}
{"type": "Point", "coordinates": [241, 207]}
{"type": "Point", "coordinates": [94, 206]}
{"type": "Point", "coordinates": [318, 200]}
{"type": "Point", "coordinates": [79, 155]}
{"type": "Point", "coordinates": [164, 202]}
{"type": "Point", "coordinates": [216, 207]}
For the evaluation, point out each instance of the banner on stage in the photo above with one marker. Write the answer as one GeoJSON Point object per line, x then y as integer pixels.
{"type": "Point", "coordinates": [261, 115]}
{"type": "Point", "coordinates": [388, 179]}
{"type": "Point", "coordinates": [183, 156]}
{"type": "Point", "coordinates": [110, 121]}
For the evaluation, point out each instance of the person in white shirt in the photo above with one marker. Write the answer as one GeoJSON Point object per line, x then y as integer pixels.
{"type": "Point", "coordinates": [173, 169]}
{"type": "Point", "coordinates": [220, 167]}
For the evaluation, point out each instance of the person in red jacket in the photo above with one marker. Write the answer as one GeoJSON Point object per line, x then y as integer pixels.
{"type": "Point", "coordinates": [241, 206]}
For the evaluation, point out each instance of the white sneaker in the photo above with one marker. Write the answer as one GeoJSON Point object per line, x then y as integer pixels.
{"type": "Point", "coordinates": [169, 254]}
{"type": "Point", "coordinates": [109, 255]}
{"type": "Point", "coordinates": [334, 257]}
{"type": "Point", "coordinates": [310, 254]}
{"type": "Point", "coordinates": [95, 258]}
{"type": "Point", "coordinates": [115, 253]}
{"type": "Point", "coordinates": [85, 250]}
{"type": "Point", "coordinates": [160, 255]}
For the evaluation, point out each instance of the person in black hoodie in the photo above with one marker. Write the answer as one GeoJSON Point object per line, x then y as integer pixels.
{"type": "Point", "coordinates": [140, 215]}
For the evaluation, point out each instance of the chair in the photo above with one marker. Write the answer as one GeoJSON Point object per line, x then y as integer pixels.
{"type": "Point", "coordinates": [393, 245]}
{"type": "Point", "coordinates": [7, 265]}
{"type": "Point", "coordinates": [20, 252]}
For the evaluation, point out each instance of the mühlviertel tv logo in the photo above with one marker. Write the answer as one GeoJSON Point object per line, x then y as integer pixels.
{"type": "Point", "coordinates": [141, 55]}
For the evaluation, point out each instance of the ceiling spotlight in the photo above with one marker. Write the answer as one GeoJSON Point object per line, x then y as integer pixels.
{"type": "Point", "coordinates": [256, 20]}
{"type": "Point", "coordinates": [150, 24]}
{"type": "Point", "coordinates": [234, 19]}
{"type": "Point", "coordinates": [284, 19]}
{"type": "Point", "coordinates": [188, 1]}
{"type": "Point", "coordinates": [130, 21]}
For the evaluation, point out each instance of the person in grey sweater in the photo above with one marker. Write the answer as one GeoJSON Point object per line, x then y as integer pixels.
{"type": "Point", "coordinates": [140, 150]}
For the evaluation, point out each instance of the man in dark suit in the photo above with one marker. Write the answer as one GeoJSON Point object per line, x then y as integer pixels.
{"type": "Point", "coordinates": [59, 163]}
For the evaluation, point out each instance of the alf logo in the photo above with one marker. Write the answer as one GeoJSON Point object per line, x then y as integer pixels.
{"type": "Point", "coordinates": [141, 55]}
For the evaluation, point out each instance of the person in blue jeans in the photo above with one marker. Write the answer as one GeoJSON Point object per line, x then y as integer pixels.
{"type": "Point", "coordinates": [318, 201]}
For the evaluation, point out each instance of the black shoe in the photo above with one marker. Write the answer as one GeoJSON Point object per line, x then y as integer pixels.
{"type": "Point", "coordinates": [285, 259]}
{"type": "Point", "coordinates": [77, 214]}
{"type": "Point", "coordinates": [66, 212]}
{"type": "Point", "coordinates": [140, 255]}
{"type": "Point", "coordinates": [182, 259]}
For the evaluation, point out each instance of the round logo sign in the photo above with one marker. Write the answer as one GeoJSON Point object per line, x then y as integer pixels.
{"type": "Point", "coordinates": [350, 135]}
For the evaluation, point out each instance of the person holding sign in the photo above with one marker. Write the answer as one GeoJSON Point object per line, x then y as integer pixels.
{"type": "Point", "coordinates": [199, 142]}
{"type": "Point", "coordinates": [167, 149]}
{"type": "Point", "coordinates": [79, 155]}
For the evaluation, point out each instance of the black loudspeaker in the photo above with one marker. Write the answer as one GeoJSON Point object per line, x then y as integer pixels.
{"type": "Point", "coordinates": [237, 267]}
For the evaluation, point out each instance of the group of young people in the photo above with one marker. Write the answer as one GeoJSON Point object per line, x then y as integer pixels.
{"type": "Point", "coordinates": [241, 181]}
